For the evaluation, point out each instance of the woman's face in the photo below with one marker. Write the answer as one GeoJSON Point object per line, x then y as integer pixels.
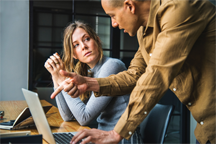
{"type": "Point", "coordinates": [85, 48]}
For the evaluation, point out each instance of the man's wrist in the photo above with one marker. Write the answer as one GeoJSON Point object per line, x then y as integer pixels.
{"type": "Point", "coordinates": [92, 84]}
{"type": "Point", "coordinates": [117, 136]}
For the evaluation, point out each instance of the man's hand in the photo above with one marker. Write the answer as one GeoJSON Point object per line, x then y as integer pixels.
{"type": "Point", "coordinates": [76, 84]}
{"type": "Point", "coordinates": [97, 136]}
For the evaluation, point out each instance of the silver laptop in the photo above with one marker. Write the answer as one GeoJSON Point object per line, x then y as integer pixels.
{"type": "Point", "coordinates": [41, 122]}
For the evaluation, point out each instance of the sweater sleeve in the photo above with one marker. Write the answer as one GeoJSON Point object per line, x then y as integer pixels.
{"type": "Point", "coordinates": [63, 108]}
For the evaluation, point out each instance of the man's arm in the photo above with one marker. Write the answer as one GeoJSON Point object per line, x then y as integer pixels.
{"type": "Point", "coordinates": [75, 84]}
{"type": "Point", "coordinates": [123, 82]}
{"type": "Point", "coordinates": [119, 84]}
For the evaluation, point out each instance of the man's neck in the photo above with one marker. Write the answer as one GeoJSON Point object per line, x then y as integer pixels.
{"type": "Point", "coordinates": [143, 11]}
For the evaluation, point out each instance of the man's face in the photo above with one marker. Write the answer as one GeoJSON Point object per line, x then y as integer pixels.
{"type": "Point", "coordinates": [121, 17]}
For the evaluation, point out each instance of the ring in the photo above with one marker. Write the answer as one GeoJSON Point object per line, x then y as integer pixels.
{"type": "Point", "coordinates": [56, 63]}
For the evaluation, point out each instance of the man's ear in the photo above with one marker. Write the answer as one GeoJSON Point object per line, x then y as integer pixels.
{"type": "Point", "coordinates": [129, 4]}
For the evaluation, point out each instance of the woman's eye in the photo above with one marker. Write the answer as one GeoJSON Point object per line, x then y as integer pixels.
{"type": "Point", "coordinates": [87, 39]}
{"type": "Point", "coordinates": [76, 45]}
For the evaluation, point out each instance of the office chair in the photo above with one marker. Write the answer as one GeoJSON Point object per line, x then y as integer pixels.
{"type": "Point", "coordinates": [154, 126]}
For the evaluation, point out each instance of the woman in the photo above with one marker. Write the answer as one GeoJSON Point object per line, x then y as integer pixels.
{"type": "Point", "coordinates": [82, 44]}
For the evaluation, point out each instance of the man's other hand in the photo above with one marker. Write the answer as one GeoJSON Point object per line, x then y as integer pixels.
{"type": "Point", "coordinates": [96, 136]}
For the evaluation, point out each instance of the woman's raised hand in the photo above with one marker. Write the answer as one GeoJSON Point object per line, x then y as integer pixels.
{"type": "Point", "coordinates": [53, 65]}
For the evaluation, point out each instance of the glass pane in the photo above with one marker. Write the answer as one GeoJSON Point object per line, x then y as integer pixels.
{"type": "Point", "coordinates": [101, 25]}
{"type": "Point", "coordinates": [61, 20]}
{"type": "Point", "coordinates": [44, 34]}
{"type": "Point", "coordinates": [58, 34]}
{"type": "Point", "coordinates": [41, 76]}
{"type": "Point", "coordinates": [91, 20]}
{"type": "Point", "coordinates": [128, 42]}
{"type": "Point", "coordinates": [44, 44]}
{"type": "Point", "coordinates": [89, 7]}
{"type": "Point", "coordinates": [44, 19]}
{"type": "Point", "coordinates": [57, 4]}
{"type": "Point", "coordinates": [44, 53]}
{"type": "Point", "coordinates": [103, 31]}
{"type": "Point", "coordinates": [106, 53]}
{"type": "Point", "coordinates": [126, 57]}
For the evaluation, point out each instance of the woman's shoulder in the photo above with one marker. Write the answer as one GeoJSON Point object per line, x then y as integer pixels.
{"type": "Point", "coordinates": [109, 66]}
{"type": "Point", "coordinates": [112, 66]}
{"type": "Point", "coordinates": [113, 62]}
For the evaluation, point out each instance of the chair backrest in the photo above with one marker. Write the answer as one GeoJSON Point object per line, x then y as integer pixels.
{"type": "Point", "coordinates": [154, 126]}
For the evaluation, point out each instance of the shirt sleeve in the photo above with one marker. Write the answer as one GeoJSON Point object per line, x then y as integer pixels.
{"type": "Point", "coordinates": [180, 26]}
{"type": "Point", "coordinates": [85, 113]}
{"type": "Point", "coordinates": [123, 82]}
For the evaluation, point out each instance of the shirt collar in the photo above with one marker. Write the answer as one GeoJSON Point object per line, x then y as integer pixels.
{"type": "Point", "coordinates": [155, 4]}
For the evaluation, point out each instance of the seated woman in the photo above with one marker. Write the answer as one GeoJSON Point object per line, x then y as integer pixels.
{"type": "Point", "coordinates": [82, 44]}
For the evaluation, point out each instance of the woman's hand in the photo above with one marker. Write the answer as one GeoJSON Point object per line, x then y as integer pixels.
{"type": "Point", "coordinates": [54, 64]}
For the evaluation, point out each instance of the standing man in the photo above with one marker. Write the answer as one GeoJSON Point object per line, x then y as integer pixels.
{"type": "Point", "coordinates": [176, 51]}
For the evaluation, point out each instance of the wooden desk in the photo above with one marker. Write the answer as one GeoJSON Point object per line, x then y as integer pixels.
{"type": "Point", "coordinates": [13, 108]}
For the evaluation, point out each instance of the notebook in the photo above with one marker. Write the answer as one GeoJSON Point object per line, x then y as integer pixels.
{"type": "Point", "coordinates": [23, 120]}
{"type": "Point", "coordinates": [41, 122]}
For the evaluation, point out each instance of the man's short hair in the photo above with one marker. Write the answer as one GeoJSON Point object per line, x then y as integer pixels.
{"type": "Point", "coordinates": [116, 3]}
{"type": "Point", "coordinates": [119, 3]}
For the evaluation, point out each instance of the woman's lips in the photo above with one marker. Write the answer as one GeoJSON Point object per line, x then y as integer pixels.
{"type": "Point", "coordinates": [87, 54]}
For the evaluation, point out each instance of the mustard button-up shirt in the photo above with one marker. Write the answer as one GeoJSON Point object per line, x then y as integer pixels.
{"type": "Point", "coordinates": [176, 51]}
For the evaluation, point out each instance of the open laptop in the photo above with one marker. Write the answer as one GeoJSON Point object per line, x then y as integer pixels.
{"type": "Point", "coordinates": [41, 122]}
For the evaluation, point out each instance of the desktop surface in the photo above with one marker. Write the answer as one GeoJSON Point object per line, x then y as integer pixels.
{"type": "Point", "coordinates": [13, 108]}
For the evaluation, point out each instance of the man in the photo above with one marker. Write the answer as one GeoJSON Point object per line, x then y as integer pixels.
{"type": "Point", "coordinates": [176, 51]}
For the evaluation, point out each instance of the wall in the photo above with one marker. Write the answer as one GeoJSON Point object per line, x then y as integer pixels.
{"type": "Point", "coordinates": [14, 48]}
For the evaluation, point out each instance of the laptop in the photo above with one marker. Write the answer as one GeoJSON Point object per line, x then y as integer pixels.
{"type": "Point", "coordinates": [41, 122]}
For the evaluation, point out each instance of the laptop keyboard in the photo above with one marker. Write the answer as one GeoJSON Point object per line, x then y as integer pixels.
{"type": "Point", "coordinates": [63, 138]}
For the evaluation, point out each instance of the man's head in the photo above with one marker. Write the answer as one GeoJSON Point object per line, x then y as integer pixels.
{"type": "Point", "coordinates": [118, 3]}
{"type": "Point", "coordinates": [127, 14]}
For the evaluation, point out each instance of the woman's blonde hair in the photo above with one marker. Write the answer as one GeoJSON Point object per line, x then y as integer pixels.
{"type": "Point", "coordinates": [70, 66]}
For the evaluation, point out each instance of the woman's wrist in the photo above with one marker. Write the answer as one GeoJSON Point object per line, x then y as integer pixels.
{"type": "Point", "coordinates": [55, 84]}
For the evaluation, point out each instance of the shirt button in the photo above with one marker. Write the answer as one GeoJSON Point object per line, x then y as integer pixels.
{"type": "Point", "coordinates": [150, 54]}
{"type": "Point", "coordinates": [130, 133]}
{"type": "Point", "coordinates": [145, 112]}
{"type": "Point", "coordinates": [189, 103]}
{"type": "Point", "coordinates": [174, 89]}
{"type": "Point", "coordinates": [201, 122]}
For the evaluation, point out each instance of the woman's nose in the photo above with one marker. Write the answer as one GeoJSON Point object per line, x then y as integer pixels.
{"type": "Point", "coordinates": [84, 46]}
